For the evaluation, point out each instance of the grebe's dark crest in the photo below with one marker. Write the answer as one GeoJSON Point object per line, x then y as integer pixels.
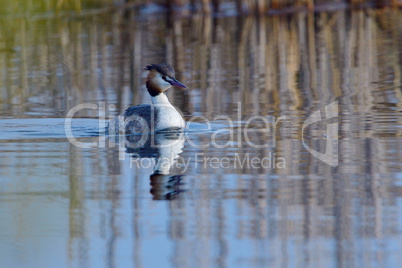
{"type": "Point", "coordinates": [163, 68]}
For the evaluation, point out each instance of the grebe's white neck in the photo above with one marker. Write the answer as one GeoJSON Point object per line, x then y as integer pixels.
{"type": "Point", "coordinates": [160, 99]}
{"type": "Point", "coordinates": [167, 115]}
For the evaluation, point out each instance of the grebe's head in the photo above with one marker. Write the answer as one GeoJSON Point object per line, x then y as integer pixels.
{"type": "Point", "coordinates": [160, 78]}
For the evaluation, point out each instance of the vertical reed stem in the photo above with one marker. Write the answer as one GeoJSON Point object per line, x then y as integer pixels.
{"type": "Point", "coordinates": [205, 7]}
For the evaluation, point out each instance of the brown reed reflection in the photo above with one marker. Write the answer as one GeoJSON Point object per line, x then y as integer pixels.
{"type": "Point", "coordinates": [62, 7]}
{"type": "Point", "coordinates": [278, 65]}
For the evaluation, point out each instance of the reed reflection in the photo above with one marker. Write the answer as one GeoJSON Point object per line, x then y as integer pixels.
{"type": "Point", "coordinates": [279, 65]}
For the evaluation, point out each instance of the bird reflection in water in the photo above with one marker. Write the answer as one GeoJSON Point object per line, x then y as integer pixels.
{"type": "Point", "coordinates": [165, 147]}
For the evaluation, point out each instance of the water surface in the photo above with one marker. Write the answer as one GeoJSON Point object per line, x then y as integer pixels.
{"type": "Point", "coordinates": [102, 206]}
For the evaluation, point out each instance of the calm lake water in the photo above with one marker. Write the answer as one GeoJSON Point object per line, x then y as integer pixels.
{"type": "Point", "coordinates": [313, 99]}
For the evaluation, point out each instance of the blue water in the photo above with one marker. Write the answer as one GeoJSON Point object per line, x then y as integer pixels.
{"type": "Point", "coordinates": [242, 191]}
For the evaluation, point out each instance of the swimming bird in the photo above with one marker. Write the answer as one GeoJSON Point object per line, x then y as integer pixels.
{"type": "Point", "coordinates": [161, 114]}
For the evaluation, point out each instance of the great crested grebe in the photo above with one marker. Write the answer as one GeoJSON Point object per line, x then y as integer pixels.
{"type": "Point", "coordinates": [159, 116]}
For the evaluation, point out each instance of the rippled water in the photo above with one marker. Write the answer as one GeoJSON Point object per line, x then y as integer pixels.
{"type": "Point", "coordinates": [98, 204]}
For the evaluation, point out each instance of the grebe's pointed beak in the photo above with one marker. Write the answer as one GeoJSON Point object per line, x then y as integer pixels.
{"type": "Point", "coordinates": [176, 83]}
